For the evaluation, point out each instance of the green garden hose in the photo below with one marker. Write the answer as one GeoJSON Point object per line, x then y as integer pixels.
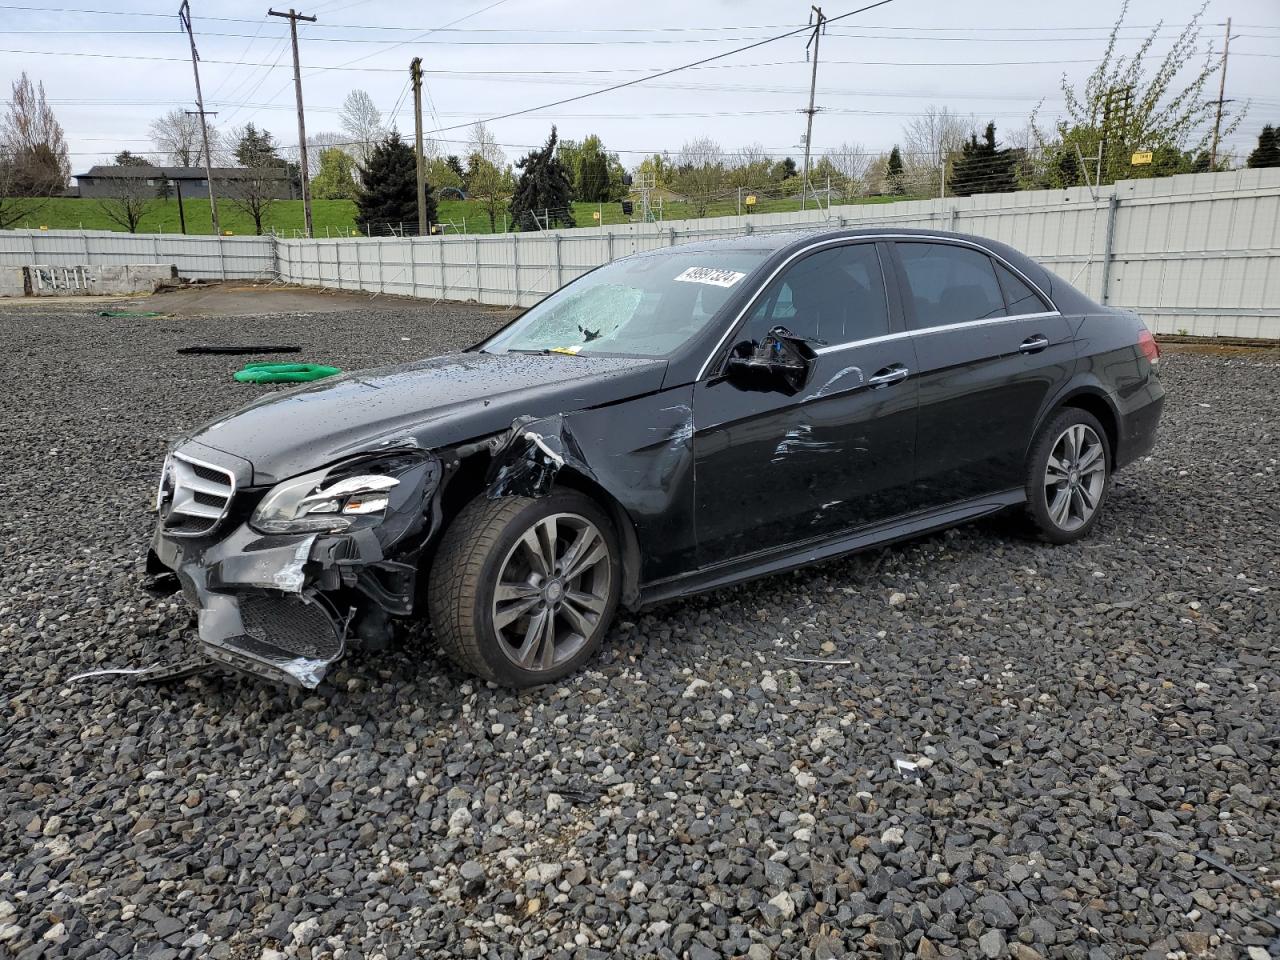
{"type": "Point", "coordinates": [284, 372]}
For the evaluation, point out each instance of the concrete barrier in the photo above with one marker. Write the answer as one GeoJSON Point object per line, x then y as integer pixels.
{"type": "Point", "coordinates": [42, 280]}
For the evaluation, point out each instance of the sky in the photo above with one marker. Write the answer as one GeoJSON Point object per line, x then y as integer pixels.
{"type": "Point", "coordinates": [109, 68]}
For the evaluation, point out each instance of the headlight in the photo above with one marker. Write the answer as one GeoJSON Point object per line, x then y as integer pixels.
{"type": "Point", "coordinates": [315, 503]}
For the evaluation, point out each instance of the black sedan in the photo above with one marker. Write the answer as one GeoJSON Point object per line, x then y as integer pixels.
{"type": "Point", "coordinates": [671, 422]}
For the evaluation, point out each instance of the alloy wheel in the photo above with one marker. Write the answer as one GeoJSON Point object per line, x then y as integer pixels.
{"type": "Point", "coordinates": [1075, 476]}
{"type": "Point", "coordinates": [552, 591]}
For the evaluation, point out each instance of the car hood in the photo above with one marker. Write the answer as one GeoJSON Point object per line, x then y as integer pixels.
{"type": "Point", "coordinates": [428, 403]}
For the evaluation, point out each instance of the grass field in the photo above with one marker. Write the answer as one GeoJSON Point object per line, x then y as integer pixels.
{"type": "Point", "coordinates": [338, 217]}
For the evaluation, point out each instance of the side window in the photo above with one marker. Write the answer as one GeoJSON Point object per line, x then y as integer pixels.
{"type": "Point", "coordinates": [835, 295]}
{"type": "Point", "coordinates": [950, 284]}
{"type": "Point", "coordinates": [1020, 297]}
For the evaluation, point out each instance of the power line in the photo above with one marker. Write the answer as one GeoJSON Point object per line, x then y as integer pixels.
{"type": "Point", "coordinates": [663, 73]}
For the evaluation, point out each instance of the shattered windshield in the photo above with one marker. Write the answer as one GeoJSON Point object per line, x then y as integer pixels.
{"type": "Point", "coordinates": [643, 306]}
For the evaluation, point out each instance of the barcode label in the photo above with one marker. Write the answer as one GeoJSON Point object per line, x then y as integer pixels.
{"type": "Point", "coordinates": [711, 275]}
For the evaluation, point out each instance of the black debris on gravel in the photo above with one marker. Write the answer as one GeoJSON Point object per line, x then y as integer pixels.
{"type": "Point", "coordinates": [1029, 753]}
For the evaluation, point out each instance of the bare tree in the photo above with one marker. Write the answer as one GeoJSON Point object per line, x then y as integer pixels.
{"type": "Point", "coordinates": [32, 138]}
{"type": "Point", "coordinates": [850, 162]}
{"type": "Point", "coordinates": [134, 199]}
{"type": "Point", "coordinates": [750, 168]}
{"type": "Point", "coordinates": [13, 206]}
{"type": "Point", "coordinates": [176, 134]}
{"type": "Point", "coordinates": [254, 190]}
{"type": "Point", "coordinates": [929, 140]}
{"type": "Point", "coordinates": [700, 172]}
{"type": "Point", "coordinates": [487, 178]}
{"type": "Point", "coordinates": [361, 121]}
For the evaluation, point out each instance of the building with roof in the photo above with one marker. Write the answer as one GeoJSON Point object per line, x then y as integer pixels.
{"type": "Point", "coordinates": [110, 181]}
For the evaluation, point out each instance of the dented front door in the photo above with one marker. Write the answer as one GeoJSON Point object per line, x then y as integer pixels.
{"type": "Point", "coordinates": [773, 469]}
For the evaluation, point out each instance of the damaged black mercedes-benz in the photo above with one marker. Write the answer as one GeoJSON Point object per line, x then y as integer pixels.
{"type": "Point", "coordinates": [667, 423]}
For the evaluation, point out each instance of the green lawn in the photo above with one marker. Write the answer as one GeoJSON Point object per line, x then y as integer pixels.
{"type": "Point", "coordinates": [337, 217]}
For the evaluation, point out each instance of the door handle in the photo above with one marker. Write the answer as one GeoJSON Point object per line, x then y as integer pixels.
{"type": "Point", "coordinates": [888, 375]}
{"type": "Point", "coordinates": [1034, 344]}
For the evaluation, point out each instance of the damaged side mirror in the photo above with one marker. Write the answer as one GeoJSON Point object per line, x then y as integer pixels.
{"type": "Point", "coordinates": [781, 361]}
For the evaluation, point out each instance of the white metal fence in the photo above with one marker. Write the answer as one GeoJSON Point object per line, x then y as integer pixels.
{"type": "Point", "coordinates": [1198, 253]}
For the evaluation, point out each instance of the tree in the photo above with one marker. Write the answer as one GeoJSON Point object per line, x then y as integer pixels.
{"type": "Point", "coordinates": [455, 164]}
{"type": "Point", "coordinates": [750, 168]}
{"type": "Point", "coordinates": [893, 173]}
{"type": "Point", "coordinates": [544, 184]}
{"type": "Point", "coordinates": [982, 167]}
{"type": "Point", "coordinates": [486, 177]}
{"type": "Point", "coordinates": [700, 173]}
{"type": "Point", "coordinates": [133, 201]}
{"type": "Point", "coordinates": [335, 177]}
{"type": "Point", "coordinates": [1125, 106]}
{"type": "Point", "coordinates": [32, 140]}
{"type": "Point", "coordinates": [931, 139]}
{"type": "Point", "coordinates": [1267, 153]}
{"type": "Point", "coordinates": [388, 195]}
{"type": "Point", "coordinates": [126, 159]}
{"type": "Point", "coordinates": [177, 135]}
{"type": "Point", "coordinates": [660, 166]}
{"type": "Point", "coordinates": [785, 169]}
{"type": "Point", "coordinates": [361, 121]}
{"type": "Point", "coordinates": [850, 162]}
{"type": "Point", "coordinates": [255, 191]}
{"type": "Point", "coordinates": [589, 167]}
{"type": "Point", "coordinates": [441, 175]}
{"type": "Point", "coordinates": [14, 207]}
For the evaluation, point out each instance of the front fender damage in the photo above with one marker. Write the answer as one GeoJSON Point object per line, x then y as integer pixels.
{"type": "Point", "coordinates": [288, 606]}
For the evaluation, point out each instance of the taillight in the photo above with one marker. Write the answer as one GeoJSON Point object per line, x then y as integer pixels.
{"type": "Point", "coordinates": [1150, 349]}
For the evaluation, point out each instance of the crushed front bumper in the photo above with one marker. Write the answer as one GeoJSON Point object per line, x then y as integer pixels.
{"type": "Point", "coordinates": [260, 609]}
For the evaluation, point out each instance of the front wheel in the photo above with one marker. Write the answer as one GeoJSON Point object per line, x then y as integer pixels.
{"type": "Point", "coordinates": [522, 590]}
{"type": "Point", "coordinates": [1068, 474]}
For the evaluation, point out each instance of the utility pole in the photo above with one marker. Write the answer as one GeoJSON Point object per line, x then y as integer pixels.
{"type": "Point", "coordinates": [415, 74]}
{"type": "Point", "coordinates": [184, 14]}
{"type": "Point", "coordinates": [818, 29]}
{"type": "Point", "coordinates": [1222, 90]}
{"type": "Point", "coordinates": [293, 17]}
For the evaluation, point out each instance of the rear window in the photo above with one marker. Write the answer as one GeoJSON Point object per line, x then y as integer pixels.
{"type": "Point", "coordinates": [950, 284]}
{"type": "Point", "coordinates": [1019, 297]}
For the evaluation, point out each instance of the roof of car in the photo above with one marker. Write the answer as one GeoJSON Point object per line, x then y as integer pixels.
{"type": "Point", "coordinates": [778, 240]}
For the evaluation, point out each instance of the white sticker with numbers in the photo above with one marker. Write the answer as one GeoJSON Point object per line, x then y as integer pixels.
{"type": "Point", "coordinates": [711, 275]}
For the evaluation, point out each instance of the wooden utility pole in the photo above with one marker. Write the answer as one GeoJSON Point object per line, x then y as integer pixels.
{"type": "Point", "coordinates": [1222, 91]}
{"type": "Point", "coordinates": [293, 17]}
{"type": "Point", "coordinates": [184, 14]}
{"type": "Point", "coordinates": [415, 74]}
{"type": "Point", "coordinates": [818, 29]}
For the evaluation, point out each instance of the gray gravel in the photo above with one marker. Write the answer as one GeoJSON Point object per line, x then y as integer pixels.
{"type": "Point", "coordinates": [1026, 756]}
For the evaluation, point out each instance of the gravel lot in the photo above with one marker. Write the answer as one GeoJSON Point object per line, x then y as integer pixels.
{"type": "Point", "coordinates": [1085, 722]}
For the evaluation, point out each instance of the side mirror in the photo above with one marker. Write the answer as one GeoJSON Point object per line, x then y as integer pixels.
{"type": "Point", "coordinates": [779, 362]}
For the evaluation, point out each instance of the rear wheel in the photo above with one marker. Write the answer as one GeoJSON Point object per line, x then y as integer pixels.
{"type": "Point", "coordinates": [1068, 475]}
{"type": "Point", "coordinates": [522, 590]}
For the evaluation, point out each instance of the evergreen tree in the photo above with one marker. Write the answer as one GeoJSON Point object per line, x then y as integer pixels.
{"type": "Point", "coordinates": [127, 159]}
{"type": "Point", "coordinates": [1268, 152]}
{"type": "Point", "coordinates": [588, 166]}
{"type": "Point", "coordinates": [982, 167]}
{"type": "Point", "coordinates": [893, 172]}
{"type": "Point", "coordinates": [388, 195]}
{"type": "Point", "coordinates": [257, 148]}
{"type": "Point", "coordinates": [455, 165]}
{"type": "Point", "coordinates": [543, 186]}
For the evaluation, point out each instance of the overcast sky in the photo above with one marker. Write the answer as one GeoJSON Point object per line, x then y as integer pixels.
{"type": "Point", "coordinates": [993, 59]}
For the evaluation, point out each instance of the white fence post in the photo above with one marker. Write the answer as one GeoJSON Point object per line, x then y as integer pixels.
{"type": "Point", "coordinates": [1113, 204]}
{"type": "Point", "coordinates": [477, 268]}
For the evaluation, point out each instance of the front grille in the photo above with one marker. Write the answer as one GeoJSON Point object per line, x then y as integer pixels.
{"type": "Point", "coordinates": [291, 625]}
{"type": "Point", "coordinates": [195, 496]}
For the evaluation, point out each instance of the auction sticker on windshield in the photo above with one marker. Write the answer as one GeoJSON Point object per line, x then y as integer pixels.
{"type": "Point", "coordinates": [711, 275]}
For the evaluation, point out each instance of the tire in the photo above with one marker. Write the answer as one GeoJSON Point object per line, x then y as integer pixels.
{"type": "Point", "coordinates": [508, 540]}
{"type": "Point", "coordinates": [1065, 496]}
